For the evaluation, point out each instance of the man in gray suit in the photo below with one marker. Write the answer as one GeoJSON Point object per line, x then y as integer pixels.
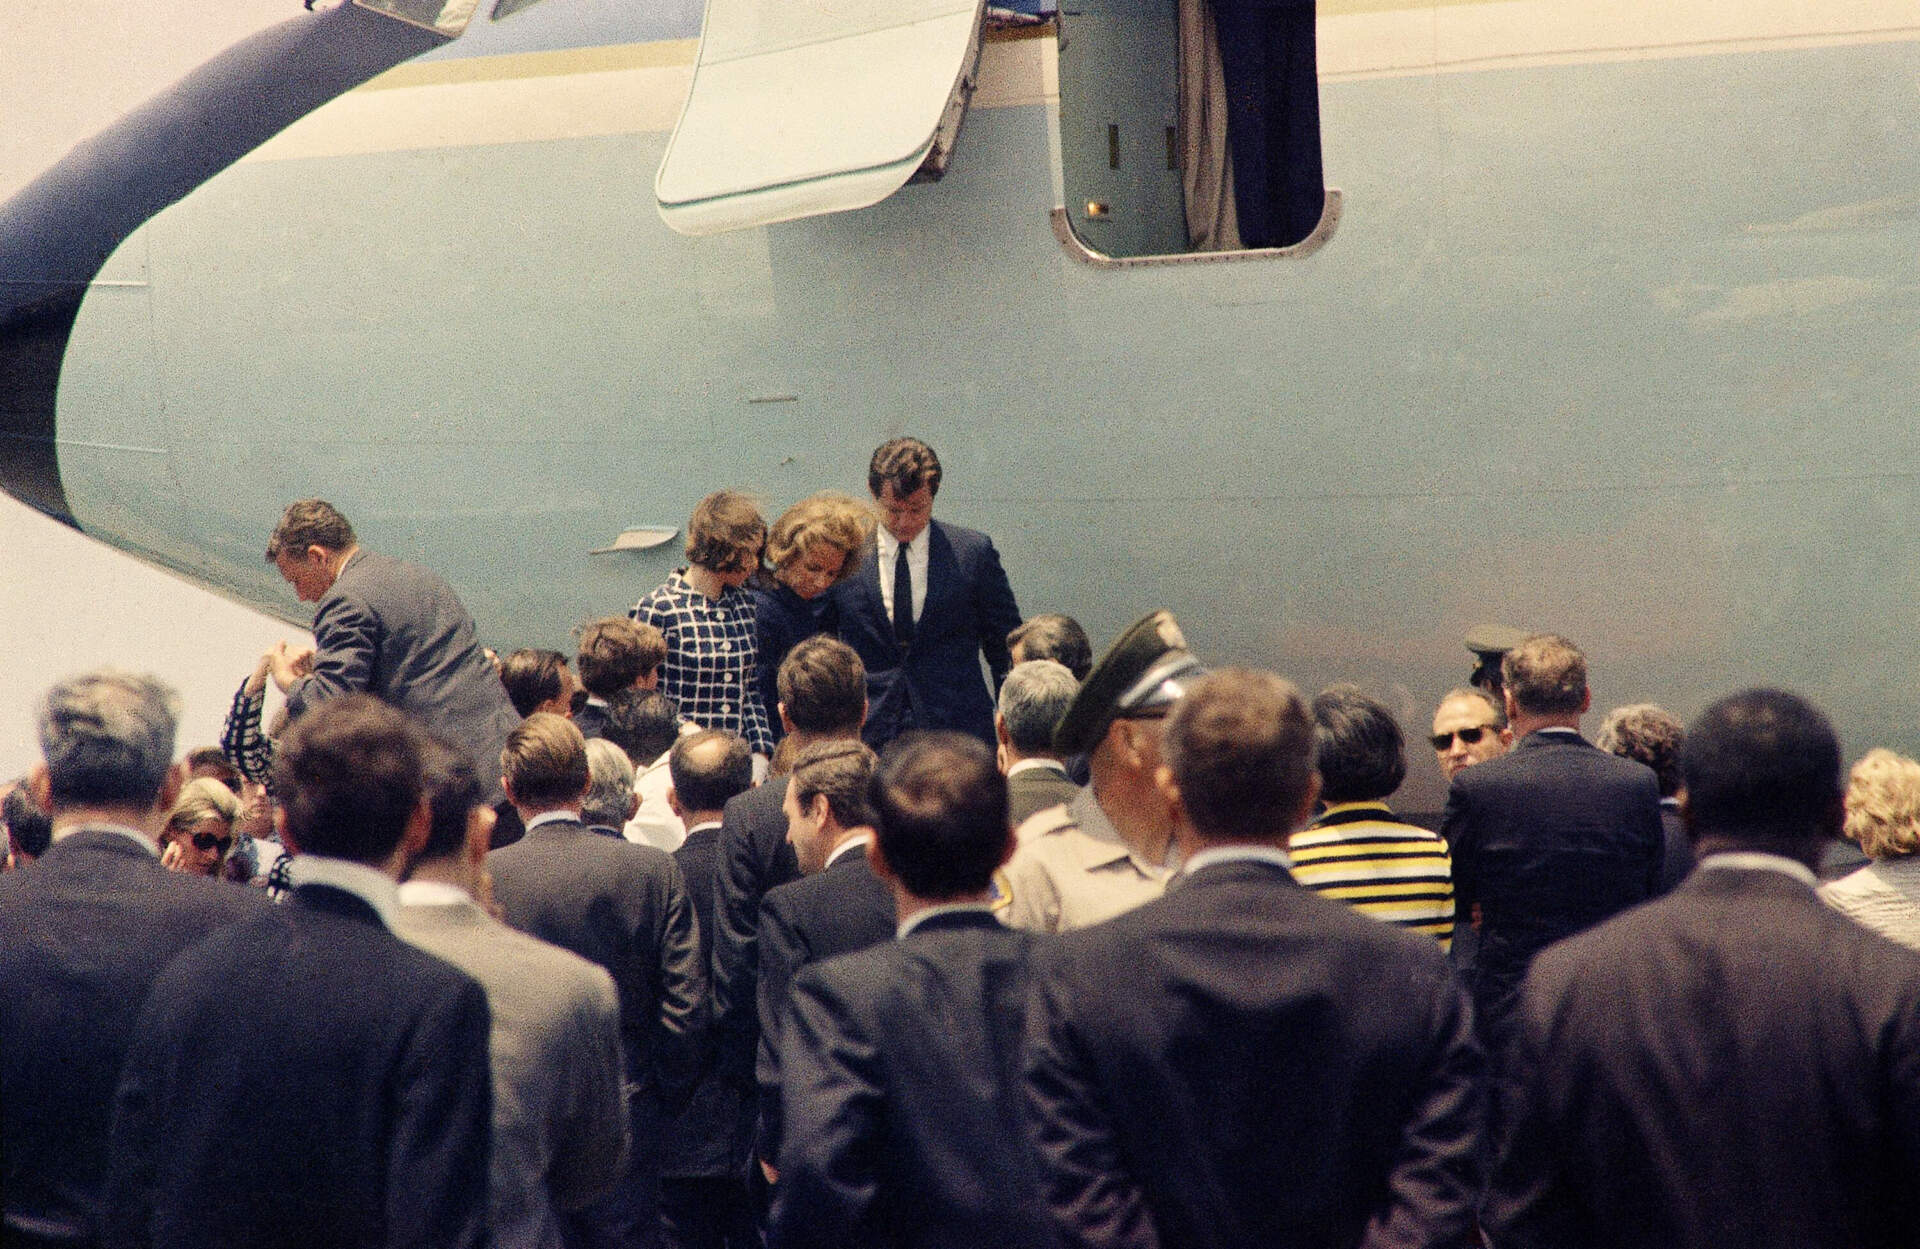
{"type": "Point", "coordinates": [387, 628]}
{"type": "Point", "coordinates": [1033, 700]}
{"type": "Point", "coordinates": [559, 1119]}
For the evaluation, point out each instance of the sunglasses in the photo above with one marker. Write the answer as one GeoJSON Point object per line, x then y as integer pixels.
{"type": "Point", "coordinates": [1472, 736]}
{"type": "Point", "coordinates": [204, 842]}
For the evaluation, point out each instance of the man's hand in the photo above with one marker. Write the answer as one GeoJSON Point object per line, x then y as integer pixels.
{"type": "Point", "coordinates": [289, 663]}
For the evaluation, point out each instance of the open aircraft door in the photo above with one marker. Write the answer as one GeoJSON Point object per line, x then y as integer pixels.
{"type": "Point", "coordinates": [804, 107]}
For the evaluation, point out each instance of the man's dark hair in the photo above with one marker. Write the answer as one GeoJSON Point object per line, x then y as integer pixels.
{"type": "Point", "coordinates": [453, 791]}
{"type": "Point", "coordinates": [942, 810]}
{"type": "Point", "coordinates": [906, 464]}
{"type": "Point", "coordinates": [616, 652]}
{"type": "Point", "coordinates": [1056, 637]}
{"type": "Point", "coordinates": [347, 775]}
{"type": "Point", "coordinates": [1240, 746]}
{"type": "Point", "coordinates": [212, 763]}
{"type": "Point", "coordinates": [545, 761]}
{"type": "Point", "coordinates": [1357, 746]}
{"type": "Point", "coordinates": [29, 828]}
{"type": "Point", "coordinates": [309, 522]}
{"type": "Point", "coordinates": [710, 767]}
{"type": "Point", "coordinates": [643, 724]}
{"type": "Point", "coordinates": [533, 677]}
{"type": "Point", "coordinates": [1546, 674]}
{"type": "Point", "coordinates": [842, 772]}
{"type": "Point", "coordinates": [1763, 767]}
{"type": "Point", "coordinates": [823, 685]}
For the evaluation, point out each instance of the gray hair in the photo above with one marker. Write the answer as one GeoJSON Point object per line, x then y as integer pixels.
{"type": "Point", "coordinates": [107, 738]}
{"type": "Point", "coordinates": [609, 795]}
{"type": "Point", "coordinates": [1032, 699]}
{"type": "Point", "coordinates": [1646, 733]}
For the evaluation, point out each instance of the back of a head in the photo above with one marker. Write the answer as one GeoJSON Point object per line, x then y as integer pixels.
{"type": "Point", "coordinates": [709, 768]}
{"type": "Point", "coordinates": [545, 762]}
{"type": "Point", "coordinates": [309, 522]}
{"type": "Point", "coordinates": [616, 652]}
{"type": "Point", "coordinates": [840, 770]}
{"type": "Point", "coordinates": [609, 798]}
{"type": "Point", "coordinates": [1358, 747]}
{"type": "Point", "coordinates": [533, 677]}
{"type": "Point", "coordinates": [828, 519]}
{"type": "Point", "coordinates": [823, 686]}
{"type": "Point", "coordinates": [1645, 733]}
{"type": "Point", "coordinates": [906, 464]}
{"type": "Point", "coordinates": [1547, 675]}
{"type": "Point", "coordinates": [1883, 804]}
{"type": "Point", "coordinates": [347, 775]}
{"type": "Point", "coordinates": [29, 828]}
{"type": "Point", "coordinates": [941, 807]}
{"type": "Point", "coordinates": [107, 738]}
{"type": "Point", "coordinates": [212, 762]}
{"type": "Point", "coordinates": [1240, 745]}
{"type": "Point", "coordinates": [1056, 637]}
{"type": "Point", "coordinates": [1761, 766]}
{"type": "Point", "coordinates": [727, 533]}
{"type": "Point", "coordinates": [1032, 699]}
{"type": "Point", "coordinates": [644, 723]}
{"type": "Point", "coordinates": [453, 790]}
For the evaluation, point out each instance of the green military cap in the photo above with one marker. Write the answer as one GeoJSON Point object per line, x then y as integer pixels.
{"type": "Point", "coordinates": [1494, 639]}
{"type": "Point", "coordinates": [1143, 673]}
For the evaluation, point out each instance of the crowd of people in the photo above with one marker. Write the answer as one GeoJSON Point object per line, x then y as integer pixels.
{"type": "Point", "coordinates": [832, 903]}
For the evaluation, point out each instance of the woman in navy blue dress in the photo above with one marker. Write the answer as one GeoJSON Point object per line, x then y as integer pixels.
{"type": "Point", "coordinates": [812, 547]}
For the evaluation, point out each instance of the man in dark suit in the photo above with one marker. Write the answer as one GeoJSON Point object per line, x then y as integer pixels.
{"type": "Point", "coordinates": [83, 932]}
{"type": "Point", "coordinates": [387, 628]}
{"type": "Point", "coordinates": [1033, 698]}
{"type": "Point", "coordinates": [703, 1200]}
{"type": "Point", "coordinates": [1734, 1064]}
{"type": "Point", "coordinates": [823, 697]}
{"type": "Point", "coordinates": [1551, 837]}
{"type": "Point", "coordinates": [359, 1111]}
{"type": "Point", "coordinates": [897, 1061]}
{"type": "Point", "coordinates": [922, 649]}
{"type": "Point", "coordinates": [1226, 1066]}
{"type": "Point", "coordinates": [625, 907]}
{"type": "Point", "coordinates": [838, 905]}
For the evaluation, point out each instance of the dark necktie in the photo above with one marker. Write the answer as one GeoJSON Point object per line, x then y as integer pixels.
{"type": "Point", "coordinates": [902, 598]}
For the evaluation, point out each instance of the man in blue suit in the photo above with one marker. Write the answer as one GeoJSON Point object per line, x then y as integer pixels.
{"type": "Point", "coordinates": [922, 649]}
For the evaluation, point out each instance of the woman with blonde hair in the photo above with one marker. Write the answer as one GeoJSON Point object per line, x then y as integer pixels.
{"type": "Point", "coordinates": [199, 829]}
{"type": "Point", "coordinates": [1883, 815]}
{"type": "Point", "coordinates": [813, 547]}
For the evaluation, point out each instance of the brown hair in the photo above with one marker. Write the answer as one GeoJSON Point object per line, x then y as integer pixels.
{"type": "Point", "coordinates": [305, 523]}
{"type": "Point", "coordinates": [726, 534]}
{"type": "Point", "coordinates": [348, 777]}
{"type": "Point", "coordinates": [533, 677]}
{"type": "Point", "coordinates": [545, 761]}
{"type": "Point", "coordinates": [905, 463]}
{"type": "Point", "coordinates": [823, 685]}
{"type": "Point", "coordinates": [825, 519]}
{"type": "Point", "coordinates": [616, 652]}
{"type": "Point", "coordinates": [1241, 746]}
{"type": "Point", "coordinates": [1546, 674]}
{"type": "Point", "coordinates": [842, 772]}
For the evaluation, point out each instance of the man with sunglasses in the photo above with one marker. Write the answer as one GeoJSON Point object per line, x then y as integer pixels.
{"type": "Point", "coordinates": [1468, 728]}
{"type": "Point", "coordinates": [1110, 849]}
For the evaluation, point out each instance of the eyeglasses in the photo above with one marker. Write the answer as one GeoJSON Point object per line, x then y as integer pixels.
{"type": "Point", "coordinates": [1472, 736]}
{"type": "Point", "coordinates": [204, 842]}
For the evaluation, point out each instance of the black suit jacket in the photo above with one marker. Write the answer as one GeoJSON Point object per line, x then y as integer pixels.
{"type": "Point", "coordinates": [896, 1066]}
{"type": "Point", "coordinates": [83, 933]}
{"type": "Point", "coordinates": [1244, 1063]}
{"type": "Point", "coordinates": [841, 908]}
{"type": "Point", "coordinates": [1550, 838]}
{"type": "Point", "coordinates": [754, 856]}
{"type": "Point", "coordinates": [625, 907]}
{"type": "Point", "coordinates": [305, 1079]}
{"type": "Point", "coordinates": [712, 1136]}
{"type": "Point", "coordinates": [935, 682]}
{"type": "Point", "coordinates": [1732, 1065]}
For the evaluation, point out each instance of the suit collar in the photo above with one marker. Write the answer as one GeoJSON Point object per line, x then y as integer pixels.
{"type": "Point", "coordinates": [372, 888]}
{"type": "Point", "coordinates": [1548, 737]}
{"type": "Point", "coordinates": [854, 851]}
{"type": "Point", "coordinates": [950, 917]}
{"type": "Point", "coordinates": [115, 837]}
{"type": "Point", "coordinates": [1263, 870]}
{"type": "Point", "coordinates": [557, 818]}
{"type": "Point", "coordinates": [1036, 764]}
{"type": "Point", "coordinates": [1757, 861]}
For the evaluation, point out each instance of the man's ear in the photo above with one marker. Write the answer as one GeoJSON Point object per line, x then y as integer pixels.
{"type": "Point", "coordinates": [419, 828]}
{"type": "Point", "coordinates": [170, 788]}
{"type": "Point", "coordinates": [40, 785]}
{"type": "Point", "coordinates": [878, 865]}
{"type": "Point", "coordinates": [1168, 787]}
{"type": "Point", "coordinates": [673, 803]}
{"type": "Point", "coordinates": [1308, 802]}
{"type": "Point", "coordinates": [280, 829]}
{"type": "Point", "coordinates": [1586, 702]}
{"type": "Point", "coordinates": [506, 787]}
{"type": "Point", "coordinates": [786, 721]}
{"type": "Point", "coordinates": [480, 822]}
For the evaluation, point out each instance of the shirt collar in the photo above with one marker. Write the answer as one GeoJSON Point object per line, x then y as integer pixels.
{"type": "Point", "coordinates": [889, 546]}
{"type": "Point", "coordinates": [1759, 861]}
{"type": "Point", "coordinates": [841, 851]}
{"type": "Point", "coordinates": [431, 893]}
{"type": "Point", "coordinates": [1242, 853]}
{"type": "Point", "coordinates": [918, 918]}
{"type": "Point", "coordinates": [704, 825]}
{"type": "Point", "coordinates": [1037, 765]}
{"type": "Point", "coordinates": [369, 884]}
{"type": "Point", "coordinates": [137, 837]}
{"type": "Point", "coordinates": [1104, 844]}
{"type": "Point", "coordinates": [551, 817]}
{"type": "Point", "coordinates": [1560, 731]}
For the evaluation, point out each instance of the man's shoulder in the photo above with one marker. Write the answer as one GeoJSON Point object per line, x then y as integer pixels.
{"type": "Point", "coordinates": [755, 811]}
{"type": "Point", "coordinates": [502, 957]}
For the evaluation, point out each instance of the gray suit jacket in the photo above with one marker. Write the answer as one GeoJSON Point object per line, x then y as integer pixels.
{"type": "Point", "coordinates": [1032, 790]}
{"type": "Point", "coordinates": [397, 631]}
{"type": "Point", "coordinates": [559, 1120]}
